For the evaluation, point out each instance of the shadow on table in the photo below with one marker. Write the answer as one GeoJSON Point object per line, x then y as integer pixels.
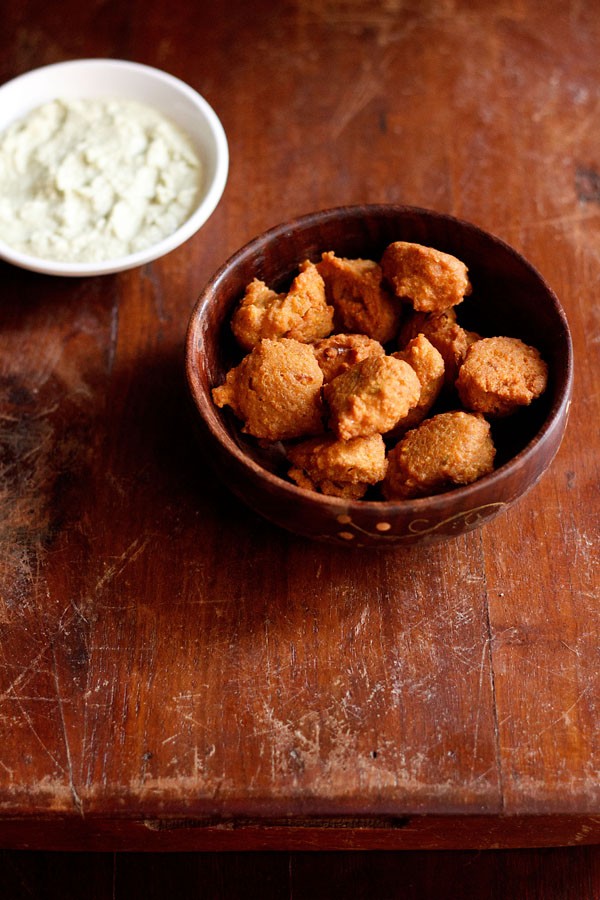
{"type": "Point", "coordinates": [557, 874]}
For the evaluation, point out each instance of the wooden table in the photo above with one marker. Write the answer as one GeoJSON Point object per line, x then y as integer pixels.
{"type": "Point", "coordinates": [176, 673]}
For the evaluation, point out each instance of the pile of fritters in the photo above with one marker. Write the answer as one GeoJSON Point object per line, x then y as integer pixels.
{"type": "Point", "coordinates": [346, 366]}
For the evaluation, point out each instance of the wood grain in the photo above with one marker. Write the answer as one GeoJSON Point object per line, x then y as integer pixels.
{"type": "Point", "coordinates": [557, 874]}
{"type": "Point", "coordinates": [167, 656]}
{"type": "Point", "coordinates": [497, 875]}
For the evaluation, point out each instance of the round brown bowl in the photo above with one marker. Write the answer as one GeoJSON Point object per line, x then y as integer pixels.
{"type": "Point", "coordinates": [509, 298]}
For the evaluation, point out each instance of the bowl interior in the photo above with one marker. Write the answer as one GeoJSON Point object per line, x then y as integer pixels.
{"type": "Point", "coordinates": [121, 79]}
{"type": "Point", "coordinates": [509, 298]}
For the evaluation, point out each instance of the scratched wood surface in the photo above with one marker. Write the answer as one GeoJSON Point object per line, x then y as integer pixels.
{"type": "Point", "coordinates": [174, 672]}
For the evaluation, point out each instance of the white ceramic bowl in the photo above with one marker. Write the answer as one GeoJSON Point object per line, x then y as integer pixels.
{"type": "Point", "coordinates": [123, 80]}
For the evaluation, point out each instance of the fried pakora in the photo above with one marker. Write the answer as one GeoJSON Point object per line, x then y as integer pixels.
{"type": "Point", "coordinates": [371, 397]}
{"type": "Point", "coordinates": [338, 468]}
{"type": "Point", "coordinates": [499, 375]}
{"type": "Point", "coordinates": [446, 335]}
{"type": "Point", "coordinates": [449, 449]}
{"type": "Point", "coordinates": [302, 314]}
{"type": "Point", "coordinates": [431, 280]}
{"type": "Point", "coordinates": [428, 365]}
{"type": "Point", "coordinates": [361, 302]}
{"type": "Point", "coordinates": [275, 391]}
{"type": "Point", "coordinates": [341, 394]}
{"type": "Point", "coordinates": [338, 353]}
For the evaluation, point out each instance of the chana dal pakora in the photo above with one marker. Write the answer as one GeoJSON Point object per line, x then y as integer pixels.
{"type": "Point", "coordinates": [364, 373]}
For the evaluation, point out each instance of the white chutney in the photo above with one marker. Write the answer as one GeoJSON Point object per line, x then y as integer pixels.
{"type": "Point", "coordinates": [93, 180]}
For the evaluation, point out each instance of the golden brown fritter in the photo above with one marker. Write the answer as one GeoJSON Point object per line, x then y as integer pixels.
{"type": "Point", "coordinates": [425, 323]}
{"type": "Point", "coordinates": [446, 335]}
{"type": "Point", "coordinates": [299, 375]}
{"type": "Point", "coordinates": [430, 279]}
{"type": "Point", "coordinates": [346, 490]}
{"type": "Point", "coordinates": [428, 365]}
{"type": "Point", "coordinates": [302, 314]}
{"type": "Point", "coordinates": [449, 449]}
{"type": "Point", "coordinates": [371, 397]}
{"type": "Point", "coordinates": [338, 468]}
{"type": "Point", "coordinates": [251, 320]}
{"type": "Point", "coordinates": [338, 353]}
{"type": "Point", "coordinates": [362, 303]}
{"type": "Point", "coordinates": [500, 374]}
{"type": "Point", "coordinates": [276, 391]}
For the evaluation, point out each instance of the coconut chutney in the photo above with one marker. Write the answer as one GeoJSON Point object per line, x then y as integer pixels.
{"type": "Point", "coordinates": [95, 179]}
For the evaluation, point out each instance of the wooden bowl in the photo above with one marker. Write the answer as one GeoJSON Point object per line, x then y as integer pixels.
{"type": "Point", "coordinates": [509, 298]}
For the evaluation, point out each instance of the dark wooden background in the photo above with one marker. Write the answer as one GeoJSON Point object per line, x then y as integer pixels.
{"type": "Point", "coordinates": [176, 674]}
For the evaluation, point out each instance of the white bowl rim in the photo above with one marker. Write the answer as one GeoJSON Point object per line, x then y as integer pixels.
{"type": "Point", "coordinates": [208, 202]}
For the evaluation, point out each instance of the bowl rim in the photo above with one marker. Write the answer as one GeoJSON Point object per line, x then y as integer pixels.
{"type": "Point", "coordinates": [557, 413]}
{"type": "Point", "coordinates": [210, 194]}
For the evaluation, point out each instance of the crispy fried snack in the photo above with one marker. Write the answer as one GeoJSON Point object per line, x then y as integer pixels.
{"type": "Point", "coordinates": [371, 397]}
{"type": "Point", "coordinates": [430, 279]}
{"type": "Point", "coordinates": [338, 353]}
{"type": "Point", "coordinates": [500, 374]}
{"type": "Point", "coordinates": [448, 338]}
{"type": "Point", "coordinates": [362, 304]}
{"type": "Point", "coordinates": [276, 391]}
{"type": "Point", "coordinates": [338, 468]}
{"type": "Point", "coordinates": [428, 365]}
{"type": "Point", "coordinates": [449, 449]}
{"type": "Point", "coordinates": [302, 314]}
